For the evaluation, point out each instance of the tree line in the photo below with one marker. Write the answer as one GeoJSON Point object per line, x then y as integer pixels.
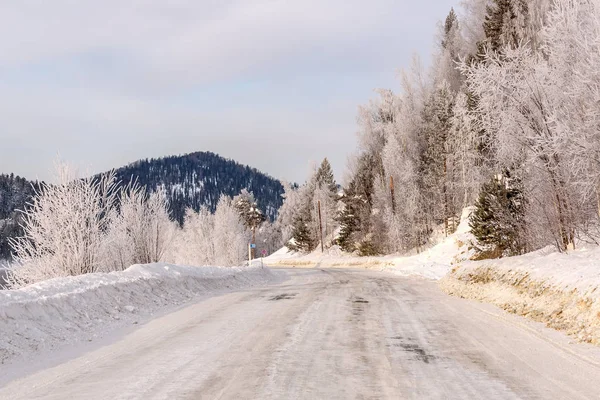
{"type": "Point", "coordinates": [506, 119]}
{"type": "Point", "coordinates": [190, 181]}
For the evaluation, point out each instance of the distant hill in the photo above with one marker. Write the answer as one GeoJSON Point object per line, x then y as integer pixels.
{"type": "Point", "coordinates": [15, 192]}
{"type": "Point", "coordinates": [198, 179]}
{"type": "Point", "coordinates": [190, 180]}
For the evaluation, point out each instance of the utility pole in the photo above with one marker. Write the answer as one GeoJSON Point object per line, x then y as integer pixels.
{"type": "Point", "coordinates": [393, 197]}
{"type": "Point", "coordinates": [321, 228]}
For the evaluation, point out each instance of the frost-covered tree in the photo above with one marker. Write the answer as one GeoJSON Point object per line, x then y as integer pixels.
{"type": "Point", "coordinates": [513, 87]}
{"type": "Point", "coordinates": [572, 51]}
{"type": "Point", "coordinates": [498, 222]}
{"type": "Point", "coordinates": [515, 104]}
{"type": "Point", "coordinates": [326, 192]}
{"type": "Point", "coordinates": [465, 152]}
{"type": "Point", "coordinates": [250, 214]}
{"type": "Point", "coordinates": [471, 23]}
{"type": "Point", "coordinates": [452, 48]}
{"type": "Point", "coordinates": [303, 239]}
{"type": "Point", "coordinates": [248, 210]}
{"type": "Point", "coordinates": [355, 217]}
{"type": "Point", "coordinates": [302, 208]}
{"type": "Point", "coordinates": [286, 213]}
{"type": "Point", "coordinates": [269, 238]}
{"type": "Point", "coordinates": [65, 228]}
{"type": "Point", "coordinates": [195, 242]}
{"type": "Point", "coordinates": [436, 130]}
{"type": "Point", "coordinates": [142, 230]}
{"type": "Point", "coordinates": [305, 221]}
{"type": "Point", "coordinates": [219, 239]}
{"type": "Point", "coordinates": [230, 236]}
{"type": "Point", "coordinates": [506, 23]}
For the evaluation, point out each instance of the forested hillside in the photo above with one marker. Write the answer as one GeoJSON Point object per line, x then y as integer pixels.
{"type": "Point", "coordinates": [506, 119]}
{"type": "Point", "coordinates": [190, 181]}
{"type": "Point", "coordinates": [199, 179]}
{"type": "Point", "coordinates": [15, 192]}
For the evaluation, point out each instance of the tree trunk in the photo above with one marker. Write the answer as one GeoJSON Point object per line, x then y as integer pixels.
{"type": "Point", "coordinates": [562, 209]}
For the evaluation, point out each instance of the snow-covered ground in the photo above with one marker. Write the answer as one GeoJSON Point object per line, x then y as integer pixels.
{"type": "Point", "coordinates": [326, 334]}
{"type": "Point", "coordinates": [562, 290]}
{"type": "Point", "coordinates": [432, 263]}
{"type": "Point", "coordinates": [64, 311]}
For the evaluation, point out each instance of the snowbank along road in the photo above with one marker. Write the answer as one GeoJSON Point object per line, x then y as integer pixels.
{"type": "Point", "coordinates": [328, 334]}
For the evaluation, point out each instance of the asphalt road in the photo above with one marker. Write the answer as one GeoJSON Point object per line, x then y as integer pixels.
{"type": "Point", "coordinates": [328, 334]}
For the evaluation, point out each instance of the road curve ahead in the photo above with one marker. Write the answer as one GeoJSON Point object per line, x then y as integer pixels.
{"type": "Point", "coordinates": [328, 334]}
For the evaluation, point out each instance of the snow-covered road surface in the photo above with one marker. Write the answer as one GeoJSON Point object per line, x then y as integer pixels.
{"type": "Point", "coordinates": [328, 334]}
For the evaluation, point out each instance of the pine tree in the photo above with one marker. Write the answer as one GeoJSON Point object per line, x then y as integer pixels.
{"type": "Point", "coordinates": [505, 23]}
{"type": "Point", "coordinates": [355, 219]}
{"type": "Point", "coordinates": [437, 118]}
{"type": "Point", "coordinates": [302, 238]}
{"type": "Point", "coordinates": [451, 28]}
{"type": "Point", "coordinates": [326, 193]}
{"type": "Point", "coordinates": [251, 215]}
{"type": "Point", "coordinates": [498, 220]}
{"type": "Point", "coordinates": [325, 177]}
{"type": "Point", "coordinates": [248, 209]}
{"type": "Point", "coordinates": [348, 220]}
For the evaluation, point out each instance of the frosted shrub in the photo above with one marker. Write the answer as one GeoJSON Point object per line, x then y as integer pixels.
{"type": "Point", "coordinates": [75, 227]}
{"type": "Point", "coordinates": [65, 228]}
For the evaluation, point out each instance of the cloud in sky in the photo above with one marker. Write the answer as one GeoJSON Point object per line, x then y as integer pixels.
{"type": "Point", "coordinates": [270, 83]}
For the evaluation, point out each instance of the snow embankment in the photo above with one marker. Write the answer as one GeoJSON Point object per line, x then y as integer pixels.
{"type": "Point", "coordinates": [61, 311]}
{"type": "Point", "coordinates": [561, 290]}
{"type": "Point", "coordinates": [431, 263]}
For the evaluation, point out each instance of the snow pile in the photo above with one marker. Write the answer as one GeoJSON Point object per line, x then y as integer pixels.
{"type": "Point", "coordinates": [437, 261]}
{"type": "Point", "coordinates": [559, 289]}
{"type": "Point", "coordinates": [433, 263]}
{"type": "Point", "coordinates": [56, 312]}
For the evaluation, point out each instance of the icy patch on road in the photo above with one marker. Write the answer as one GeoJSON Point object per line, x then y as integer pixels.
{"type": "Point", "coordinates": [51, 314]}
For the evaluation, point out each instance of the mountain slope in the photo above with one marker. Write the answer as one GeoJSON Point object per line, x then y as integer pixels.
{"type": "Point", "coordinates": [190, 180]}
{"type": "Point", "coordinates": [15, 193]}
{"type": "Point", "coordinates": [200, 178]}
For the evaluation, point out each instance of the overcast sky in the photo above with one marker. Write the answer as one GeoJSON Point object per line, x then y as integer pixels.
{"type": "Point", "coordinates": [269, 83]}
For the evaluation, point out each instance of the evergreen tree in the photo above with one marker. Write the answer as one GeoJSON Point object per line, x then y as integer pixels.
{"type": "Point", "coordinates": [505, 23]}
{"type": "Point", "coordinates": [288, 210]}
{"type": "Point", "coordinates": [248, 209]}
{"type": "Point", "coordinates": [355, 219]}
{"type": "Point", "coordinates": [302, 237]}
{"type": "Point", "coordinates": [451, 29]}
{"type": "Point", "coordinates": [251, 215]}
{"type": "Point", "coordinates": [498, 220]}
{"type": "Point", "coordinates": [348, 220]}
{"type": "Point", "coordinates": [325, 177]}
{"type": "Point", "coordinates": [326, 192]}
{"type": "Point", "coordinates": [305, 223]}
{"type": "Point", "coordinates": [437, 124]}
